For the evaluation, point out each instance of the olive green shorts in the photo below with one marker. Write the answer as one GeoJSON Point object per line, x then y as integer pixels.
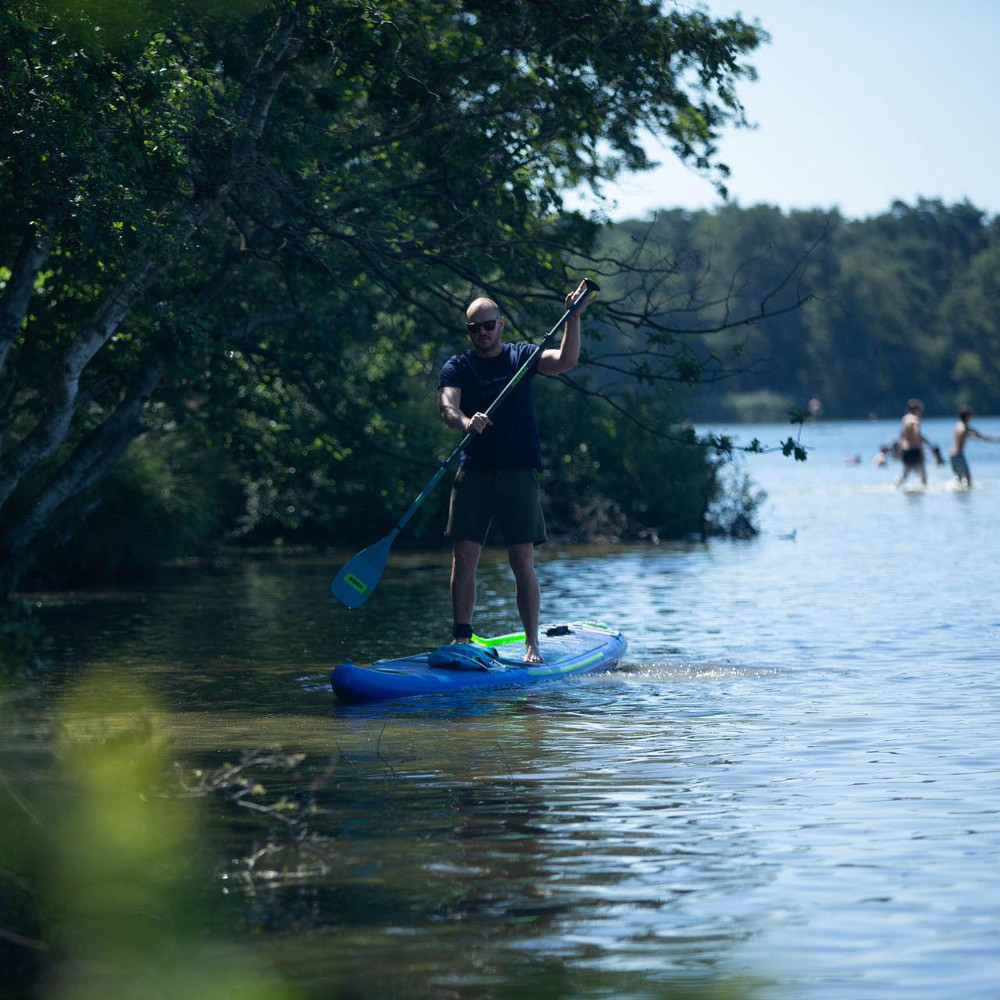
{"type": "Point", "coordinates": [508, 497]}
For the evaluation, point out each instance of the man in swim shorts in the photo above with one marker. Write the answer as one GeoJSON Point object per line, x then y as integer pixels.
{"type": "Point", "coordinates": [912, 441]}
{"type": "Point", "coordinates": [497, 479]}
{"type": "Point", "coordinates": [962, 432]}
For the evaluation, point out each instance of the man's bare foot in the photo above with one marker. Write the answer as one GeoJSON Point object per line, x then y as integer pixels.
{"type": "Point", "coordinates": [532, 654]}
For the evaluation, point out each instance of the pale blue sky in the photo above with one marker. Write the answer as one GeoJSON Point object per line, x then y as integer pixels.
{"type": "Point", "coordinates": [857, 103]}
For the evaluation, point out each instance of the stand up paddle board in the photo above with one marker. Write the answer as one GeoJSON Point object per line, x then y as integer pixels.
{"type": "Point", "coordinates": [575, 648]}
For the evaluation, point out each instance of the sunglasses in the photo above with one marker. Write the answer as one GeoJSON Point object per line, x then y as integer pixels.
{"type": "Point", "coordinates": [487, 325]}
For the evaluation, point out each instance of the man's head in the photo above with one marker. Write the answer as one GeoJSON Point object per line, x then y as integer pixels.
{"type": "Point", "coordinates": [915, 406]}
{"type": "Point", "coordinates": [485, 326]}
{"type": "Point", "coordinates": [965, 414]}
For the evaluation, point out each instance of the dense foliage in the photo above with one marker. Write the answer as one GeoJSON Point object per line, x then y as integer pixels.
{"type": "Point", "coordinates": [247, 231]}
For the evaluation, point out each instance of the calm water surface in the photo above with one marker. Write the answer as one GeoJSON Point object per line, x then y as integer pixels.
{"type": "Point", "coordinates": [793, 783]}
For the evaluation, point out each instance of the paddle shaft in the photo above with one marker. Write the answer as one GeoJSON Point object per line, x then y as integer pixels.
{"type": "Point", "coordinates": [519, 375]}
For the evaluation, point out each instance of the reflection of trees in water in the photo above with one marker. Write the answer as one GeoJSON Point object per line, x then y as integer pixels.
{"type": "Point", "coordinates": [579, 868]}
{"type": "Point", "coordinates": [235, 636]}
{"type": "Point", "coordinates": [436, 838]}
{"type": "Point", "coordinates": [500, 837]}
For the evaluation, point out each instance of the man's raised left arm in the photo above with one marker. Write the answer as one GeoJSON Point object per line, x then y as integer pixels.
{"type": "Point", "coordinates": [567, 355]}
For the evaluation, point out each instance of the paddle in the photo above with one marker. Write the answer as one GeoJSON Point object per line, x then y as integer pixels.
{"type": "Point", "coordinates": [354, 584]}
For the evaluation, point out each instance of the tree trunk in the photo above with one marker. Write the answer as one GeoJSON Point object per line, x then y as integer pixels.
{"type": "Point", "coordinates": [16, 295]}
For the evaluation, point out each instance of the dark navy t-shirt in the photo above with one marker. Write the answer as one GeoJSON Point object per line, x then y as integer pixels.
{"type": "Point", "coordinates": [512, 441]}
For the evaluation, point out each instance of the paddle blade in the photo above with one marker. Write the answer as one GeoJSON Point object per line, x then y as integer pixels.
{"type": "Point", "coordinates": [354, 584]}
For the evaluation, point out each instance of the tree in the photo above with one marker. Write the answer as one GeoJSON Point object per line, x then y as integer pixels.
{"type": "Point", "coordinates": [259, 218]}
{"type": "Point", "coordinates": [970, 312]}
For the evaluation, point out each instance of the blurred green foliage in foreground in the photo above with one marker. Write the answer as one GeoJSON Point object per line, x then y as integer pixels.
{"type": "Point", "coordinates": [104, 890]}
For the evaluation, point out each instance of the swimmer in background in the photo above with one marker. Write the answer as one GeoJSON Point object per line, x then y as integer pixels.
{"type": "Point", "coordinates": [963, 431]}
{"type": "Point", "coordinates": [884, 453]}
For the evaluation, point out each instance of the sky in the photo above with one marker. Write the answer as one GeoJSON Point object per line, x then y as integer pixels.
{"type": "Point", "coordinates": [858, 103]}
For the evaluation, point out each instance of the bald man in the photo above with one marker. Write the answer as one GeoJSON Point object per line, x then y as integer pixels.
{"type": "Point", "coordinates": [497, 478]}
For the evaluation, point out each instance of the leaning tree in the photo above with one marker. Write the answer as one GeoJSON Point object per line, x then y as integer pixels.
{"type": "Point", "coordinates": [203, 205]}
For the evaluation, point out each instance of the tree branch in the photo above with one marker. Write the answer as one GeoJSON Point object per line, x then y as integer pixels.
{"type": "Point", "coordinates": [16, 297]}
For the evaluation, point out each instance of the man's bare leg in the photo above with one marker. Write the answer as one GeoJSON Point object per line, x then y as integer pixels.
{"type": "Point", "coordinates": [528, 596]}
{"type": "Point", "coordinates": [464, 560]}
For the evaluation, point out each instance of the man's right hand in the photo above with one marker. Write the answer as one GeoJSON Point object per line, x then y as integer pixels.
{"type": "Point", "coordinates": [478, 422]}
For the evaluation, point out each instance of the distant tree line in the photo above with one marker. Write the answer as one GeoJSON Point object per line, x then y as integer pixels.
{"type": "Point", "coordinates": [906, 303]}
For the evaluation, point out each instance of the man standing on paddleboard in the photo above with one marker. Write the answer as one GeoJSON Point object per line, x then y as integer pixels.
{"type": "Point", "coordinates": [497, 477]}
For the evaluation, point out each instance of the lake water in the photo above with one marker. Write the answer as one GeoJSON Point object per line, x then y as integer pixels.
{"type": "Point", "coordinates": [792, 787]}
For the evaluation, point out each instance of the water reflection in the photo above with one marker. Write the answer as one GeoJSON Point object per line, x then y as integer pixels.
{"type": "Point", "coordinates": [500, 838]}
{"type": "Point", "coordinates": [792, 779]}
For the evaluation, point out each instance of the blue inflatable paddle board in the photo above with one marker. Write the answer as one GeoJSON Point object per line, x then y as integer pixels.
{"type": "Point", "coordinates": [575, 648]}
